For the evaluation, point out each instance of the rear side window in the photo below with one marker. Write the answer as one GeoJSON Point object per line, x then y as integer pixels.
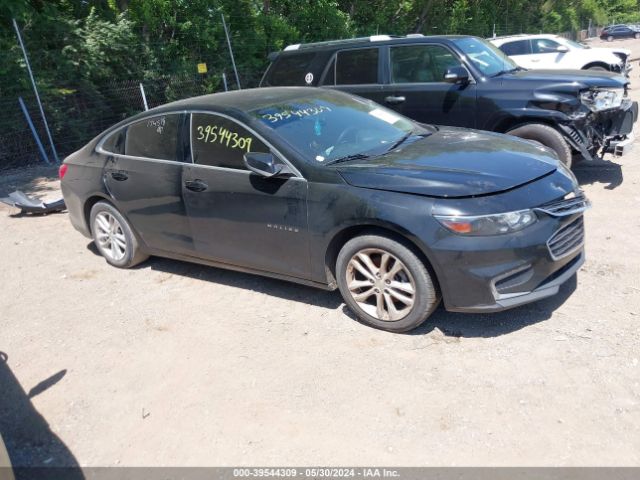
{"type": "Point", "coordinates": [521, 47]}
{"type": "Point", "coordinates": [114, 143]}
{"type": "Point", "coordinates": [220, 142]}
{"type": "Point", "coordinates": [154, 137]}
{"type": "Point", "coordinates": [355, 67]}
{"type": "Point", "coordinates": [291, 69]}
{"type": "Point", "coordinates": [421, 63]}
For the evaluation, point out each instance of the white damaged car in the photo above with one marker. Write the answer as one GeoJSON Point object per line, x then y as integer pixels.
{"type": "Point", "coordinates": [553, 52]}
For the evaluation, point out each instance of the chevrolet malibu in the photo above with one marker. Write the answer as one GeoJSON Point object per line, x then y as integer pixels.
{"type": "Point", "coordinates": [334, 191]}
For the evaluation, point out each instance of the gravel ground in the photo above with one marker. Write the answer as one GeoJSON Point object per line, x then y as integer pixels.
{"type": "Point", "coordinates": [179, 364]}
{"type": "Point", "coordinates": [629, 43]}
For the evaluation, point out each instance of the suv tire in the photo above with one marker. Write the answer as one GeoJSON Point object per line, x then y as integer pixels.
{"type": "Point", "coordinates": [547, 136]}
{"type": "Point", "coordinates": [380, 278]}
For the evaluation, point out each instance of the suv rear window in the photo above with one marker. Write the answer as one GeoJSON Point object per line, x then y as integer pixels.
{"type": "Point", "coordinates": [290, 70]}
{"type": "Point", "coordinates": [355, 67]}
{"type": "Point", "coordinates": [520, 47]}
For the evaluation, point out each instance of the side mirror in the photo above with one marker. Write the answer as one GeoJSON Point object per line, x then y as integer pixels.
{"type": "Point", "coordinates": [265, 165]}
{"type": "Point", "coordinates": [562, 49]}
{"type": "Point", "coordinates": [457, 74]}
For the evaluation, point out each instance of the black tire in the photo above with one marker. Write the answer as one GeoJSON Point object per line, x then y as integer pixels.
{"type": "Point", "coordinates": [132, 255]}
{"type": "Point", "coordinates": [547, 136]}
{"type": "Point", "coordinates": [414, 273]}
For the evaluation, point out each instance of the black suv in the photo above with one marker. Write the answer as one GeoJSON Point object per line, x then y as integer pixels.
{"type": "Point", "coordinates": [467, 82]}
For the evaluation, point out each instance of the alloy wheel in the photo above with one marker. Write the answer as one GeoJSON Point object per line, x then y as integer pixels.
{"type": "Point", "coordinates": [110, 236]}
{"type": "Point", "coordinates": [381, 284]}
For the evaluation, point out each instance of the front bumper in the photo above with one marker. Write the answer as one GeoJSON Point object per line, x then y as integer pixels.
{"type": "Point", "coordinates": [620, 147]}
{"type": "Point", "coordinates": [545, 290]}
{"type": "Point", "coordinates": [488, 274]}
{"type": "Point", "coordinates": [603, 132]}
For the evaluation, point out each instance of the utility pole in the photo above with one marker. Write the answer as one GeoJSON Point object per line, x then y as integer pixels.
{"type": "Point", "coordinates": [35, 89]}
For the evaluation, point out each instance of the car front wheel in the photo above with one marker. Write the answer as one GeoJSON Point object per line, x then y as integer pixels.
{"type": "Point", "coordinates": [547, 136]}
{"type": "Point", "coordinates": [385, 283]}
{"type": "Point", "coordinates": [609, 38]}
{"type": "Point", "coordinates": [636, 35]}
{"type": "Point", "coordinates": [113, 237]}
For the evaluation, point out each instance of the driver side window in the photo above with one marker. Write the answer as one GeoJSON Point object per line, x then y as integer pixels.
{"type": "Point", "coordinates": [219, 142]}
{"type": "Point", "coordinates": [544, 45]}
{"type": "Point", "coordinates": [421, 63]}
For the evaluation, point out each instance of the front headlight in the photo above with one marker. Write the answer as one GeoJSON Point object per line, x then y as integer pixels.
{"type": "Point", "coordinates": [597, 100]}
{"type": "Point", "coordinates": [497, 224]}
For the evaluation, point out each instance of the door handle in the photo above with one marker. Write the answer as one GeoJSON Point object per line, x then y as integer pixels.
{"type": "Point", "coordinates": [392, 100]}
{"type": "Point", "coordinates": [119, 175]}
{"type": "Point", "coordinates": [196, 185]}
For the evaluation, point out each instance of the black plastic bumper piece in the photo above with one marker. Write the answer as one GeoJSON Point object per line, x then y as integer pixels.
{"type": "Point", "coordinates": [547, 289]}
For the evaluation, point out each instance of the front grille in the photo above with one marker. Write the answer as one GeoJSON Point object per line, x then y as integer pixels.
{"type": "Point", "coordinates": [567, 240]}
{"type": "Point", "coordinates": [566, 207]}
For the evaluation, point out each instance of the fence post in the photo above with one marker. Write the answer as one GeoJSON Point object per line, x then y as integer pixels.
{"type": "Point", "coordinates": [144, 97]}
{"type": "Point", "coordinates": [33, 131]}
{"type": "Point", "coordinates": [233, 62]}
{"type": "Point", "coordinates": [224, 81]}
{"type": "Point", "coordinates": [35, 89]}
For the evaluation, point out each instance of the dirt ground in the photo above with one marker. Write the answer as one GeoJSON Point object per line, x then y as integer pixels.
{"type": "Point", "coordinates": [628, 43]}
{"type": "Point", "coordinates": [178, 364]}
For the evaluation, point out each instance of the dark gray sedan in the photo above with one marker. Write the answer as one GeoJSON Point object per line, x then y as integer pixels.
{"type": "Point", "coordinates": [334, 191]}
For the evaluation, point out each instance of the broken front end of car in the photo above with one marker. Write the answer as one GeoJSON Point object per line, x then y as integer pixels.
{"type": "Point", "coordinates": [602, 123]}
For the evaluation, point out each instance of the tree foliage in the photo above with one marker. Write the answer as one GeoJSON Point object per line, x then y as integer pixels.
{"type": "Point", "coordinates": [75, 41]}
{"type": "Point", "coordinates": [78, 47]}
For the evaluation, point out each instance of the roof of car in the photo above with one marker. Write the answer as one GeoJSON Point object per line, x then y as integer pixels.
{"type": "Point", "coordinates": [331, 44]}
{"type": "Point", "coordinates": [240, 100]}
{"type": "Point", "coordinates": [521, 36]}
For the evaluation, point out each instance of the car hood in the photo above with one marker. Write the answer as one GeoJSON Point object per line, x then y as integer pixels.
{"type": "Point", "coordinates": [623, 51]}
{"type": "Point", "coordinates": [453, 163]}
{"type": "Point", "coordinates": [581, 79]}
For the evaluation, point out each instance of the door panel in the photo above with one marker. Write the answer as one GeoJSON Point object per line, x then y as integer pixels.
{"type": "Point", "coordinates": [145, 181]}
{"type": "Point", "coordinates": [418, 89]}
{"type": "Point", "coordinates": [244, 219]}
{"type": "Point", "coordinates": [239, 217]}
{"type": "Point", "coordinates": [149, 194]}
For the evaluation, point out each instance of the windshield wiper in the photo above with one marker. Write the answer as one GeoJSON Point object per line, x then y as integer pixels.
{"type": "Point", "coordinates": [399, 142]}
{"type": "Point", "coordinates": [346, 158]}
{"type": "Point", "coordinates": [502, 72]}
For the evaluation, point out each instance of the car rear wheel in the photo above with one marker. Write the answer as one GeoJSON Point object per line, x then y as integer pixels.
{"type": "Point", "coordinates": [609, 38]}
{"type": "Point", "coordinates": [113, 237]}
{"type": "Point", "coordinates": [636, 35]}
{"type": "Point", "coordinates": [547, 136]}
{"type": "Point", "coordinates": [385, 283]}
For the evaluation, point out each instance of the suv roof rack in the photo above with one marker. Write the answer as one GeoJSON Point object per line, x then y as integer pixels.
{"type": "Point", "coordinates": [371, 38]}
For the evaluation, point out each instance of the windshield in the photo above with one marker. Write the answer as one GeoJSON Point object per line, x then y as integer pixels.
{"type": "Point", "coordinates": [487, 58]}
{"type": "Point", "coordinates": [325, 126]}
{"type": "Point", "coordinates": [574, 44]}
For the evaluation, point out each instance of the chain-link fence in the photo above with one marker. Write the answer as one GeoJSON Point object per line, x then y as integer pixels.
{"type": "Point", "coordinates": [77, 114]}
